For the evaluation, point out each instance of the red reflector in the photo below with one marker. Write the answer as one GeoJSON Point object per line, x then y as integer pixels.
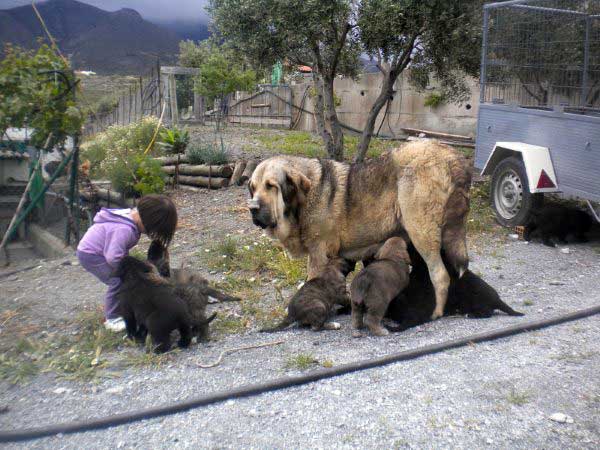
{"type": "Point", "coordinates": [545, 181]}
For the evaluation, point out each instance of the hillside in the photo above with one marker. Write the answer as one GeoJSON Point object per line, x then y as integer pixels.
{"type": "Point", "coordinates": [105, 42]}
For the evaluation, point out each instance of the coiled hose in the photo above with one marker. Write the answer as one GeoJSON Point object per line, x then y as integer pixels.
{"type": "Point", "coordinates": [287, 382]}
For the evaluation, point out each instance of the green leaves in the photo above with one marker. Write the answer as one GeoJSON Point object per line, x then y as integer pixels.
{"type": "Point", "coordinates": [220, 75]}
{"type": "Point", "coordinates": [174, 140]}
{"type": "Point", "coordinates": [37, 91]}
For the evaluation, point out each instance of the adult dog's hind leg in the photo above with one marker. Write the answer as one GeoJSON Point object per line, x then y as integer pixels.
{"type": "Point", "coordinates": [428, 245]}
{"type": "Point", "coordinates": [423, 210]}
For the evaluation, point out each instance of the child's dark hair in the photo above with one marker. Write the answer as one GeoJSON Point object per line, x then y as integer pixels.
{"type": "Point", "coordinates": [159, 217]}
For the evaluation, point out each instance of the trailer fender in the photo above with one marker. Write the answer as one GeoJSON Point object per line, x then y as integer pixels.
{"type": "Point", "coordinates": [538, 164]}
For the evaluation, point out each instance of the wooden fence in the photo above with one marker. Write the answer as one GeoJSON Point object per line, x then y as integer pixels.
{"type": "Point", "coordinates": [270, 107]}
{"type": "Point", "coordinates": [143, 99]}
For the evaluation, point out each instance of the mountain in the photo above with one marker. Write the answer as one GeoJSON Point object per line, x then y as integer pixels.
{"type": "Point", "coordinates": [94, 39]}
{"type": "Point", "coordinates": [195, 31]}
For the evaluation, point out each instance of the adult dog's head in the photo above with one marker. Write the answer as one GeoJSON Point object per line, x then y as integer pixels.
{"type": "Point", "coordinates": [277, 192]}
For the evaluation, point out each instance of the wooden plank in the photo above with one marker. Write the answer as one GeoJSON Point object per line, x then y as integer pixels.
{"type": "Point", "coordinates": [173, 100]}
{"type": "Point", "coordinates": [175, 70]}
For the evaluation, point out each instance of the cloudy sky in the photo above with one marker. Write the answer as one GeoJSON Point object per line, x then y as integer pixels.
{"type": "Point", "coordinates": [155, 10]}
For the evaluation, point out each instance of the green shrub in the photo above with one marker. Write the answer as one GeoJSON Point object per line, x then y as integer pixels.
{"type": "Point", "coordinates": [105, 148]}
{"type": "Point", "coordinates": [207, 153]}
{"type": "Point", "coordinates": [137, 175]}
{"type": "Point", "coordinates": [174, 141]}
{"type": "Point", "coordinates": [435, 99]}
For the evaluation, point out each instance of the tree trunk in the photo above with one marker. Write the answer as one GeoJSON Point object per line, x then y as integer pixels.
{"type": "Point", "coordinates": [319, 116]}
{"type": "Point", "coordinates": [387, 90]}
{"type": "Point", "coordinates": [337, 149]}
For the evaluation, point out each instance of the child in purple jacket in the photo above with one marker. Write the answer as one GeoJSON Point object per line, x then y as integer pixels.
{"type": "Point", "coordinates": [113, 234]}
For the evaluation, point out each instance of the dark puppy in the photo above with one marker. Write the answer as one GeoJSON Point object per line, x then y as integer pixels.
{"type": "Point", "coordinates": [313, 304]}
{"type": "Point", "coordinates": [149, 304]}
{"type": "Point", "coordinates": [191, 287]}
{"type": "Point", "coordinates": [159, 256]}
{"type": "Point", "coordinates": [558, 222]}
{"type": "Point", "coordinates": [378, 284]}
{"type": "Point", "coordinates": [468, 295]}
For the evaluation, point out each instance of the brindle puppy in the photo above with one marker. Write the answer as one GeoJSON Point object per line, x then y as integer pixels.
{"type": "Point", "coordinates": [378, 284]}
{"type": "Point", "coordinates": [149, 304]}
{"type": "Point", "coordinates": [159, 256]}
{"type": "Point", "coordinates": [189, 286]}
{"type": "Point", "coordinates": [313, 304]}
{"type": "Point", "coordinates": [468, 295]}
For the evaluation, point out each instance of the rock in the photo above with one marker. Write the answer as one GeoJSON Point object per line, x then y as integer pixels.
{"type": "Point", "coordinates": [556, 283]}
{"type": "Point", "coordinates": [489, 441]}
{"type": "Point", "coordinates": [561, 418]}
{"type": "Point", "coordinates": [62, 390]}
{"type": "Point", "coordinates": [115, 390]}
{"type": "Point", "coordinates": [565, 250]}
{"type": "Point", "coordinates": [422, 135]}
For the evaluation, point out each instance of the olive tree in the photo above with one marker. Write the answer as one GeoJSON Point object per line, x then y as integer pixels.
{"type": "Point", "coordinates": [312, 32]}
{"type": "Point", "coordinates": [433, 37]}
{"type": "Point", "coordinates": [438, 38]}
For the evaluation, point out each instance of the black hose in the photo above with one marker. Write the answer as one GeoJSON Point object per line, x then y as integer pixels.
{"type": "Point", "coordinates": [286, 382]}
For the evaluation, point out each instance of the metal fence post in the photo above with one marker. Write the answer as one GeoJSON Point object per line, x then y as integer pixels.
{"type": "Point", "coordinates": [586, 62]}
{"type": "Point", "coordinates": [484, 48]}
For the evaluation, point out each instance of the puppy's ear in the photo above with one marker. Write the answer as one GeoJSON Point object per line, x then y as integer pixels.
{"type": "Point", "coordinates": [126, 265]}
{"type": "Point", "coordinates": [295, 187]}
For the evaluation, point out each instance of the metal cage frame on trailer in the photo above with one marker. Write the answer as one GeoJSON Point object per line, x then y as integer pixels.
{"type": "Point", "coordinates": [539, 114]}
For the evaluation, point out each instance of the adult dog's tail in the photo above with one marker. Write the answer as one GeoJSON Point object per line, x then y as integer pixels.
{"type": "Point", "coordinates": [279, 327]}
{"type": "Point", "coordinates": [454, 230]}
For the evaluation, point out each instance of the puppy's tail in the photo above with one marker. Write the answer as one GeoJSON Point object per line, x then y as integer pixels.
{"type": "Point", "coordinates": [210, 319]}
{"type": "Point", "coordinates": [220, 295]}
{"type": "Point", "coordinates": [279, 327]}
{"type": "Point", "coordinates": [500, 305]}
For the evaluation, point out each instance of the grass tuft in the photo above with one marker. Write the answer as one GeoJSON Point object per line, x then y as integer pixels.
{"type": "Point", "coordinates": [303, 143]}
{"type": "Point", "coordinates": [518, 398]}
{"type": "Point", "coordinates": [302, 361]}
{"type": "Point", "coordinates": [260, 258]}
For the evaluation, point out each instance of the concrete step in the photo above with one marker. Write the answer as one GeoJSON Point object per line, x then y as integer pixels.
{"type": "Point", "coordinates": [21, 251]}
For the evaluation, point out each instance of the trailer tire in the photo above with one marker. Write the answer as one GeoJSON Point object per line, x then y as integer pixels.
{"type": "Point", "coordinates": [511, 199]}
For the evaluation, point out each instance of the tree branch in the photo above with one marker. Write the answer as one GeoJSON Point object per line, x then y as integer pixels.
{"type": "Point", "coordinates": [338, 51]}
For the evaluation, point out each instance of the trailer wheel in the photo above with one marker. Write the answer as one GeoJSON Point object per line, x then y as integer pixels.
{"type": "Point", "coordinates": [510, 196]}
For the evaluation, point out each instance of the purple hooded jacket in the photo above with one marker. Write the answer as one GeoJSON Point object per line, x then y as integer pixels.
{"type": "Point", "coordinates": [111, 236]}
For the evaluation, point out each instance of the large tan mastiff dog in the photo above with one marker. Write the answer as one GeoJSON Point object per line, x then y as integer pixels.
{"type": "Point", "coordinates": [324, 209]}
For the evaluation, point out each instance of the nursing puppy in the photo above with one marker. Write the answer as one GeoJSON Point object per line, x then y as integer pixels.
{"type": "Point", "coordinates": [313, 304]}
{"type": "Point", "coordinates": [149, 304]}
{"type": "Point", "coordinates": [378, 284]}
{"type": "Point", "coordinates": [558, 222]}
{"type": "Point", "coordinates": [468, 295]}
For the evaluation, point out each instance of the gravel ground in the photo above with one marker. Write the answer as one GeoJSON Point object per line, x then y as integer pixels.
{"type": "Point", "coordinates": [492, 395]}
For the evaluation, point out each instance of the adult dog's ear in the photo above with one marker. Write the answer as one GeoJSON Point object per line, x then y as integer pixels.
{"type": "Point", "coordinates": [295, 188]}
